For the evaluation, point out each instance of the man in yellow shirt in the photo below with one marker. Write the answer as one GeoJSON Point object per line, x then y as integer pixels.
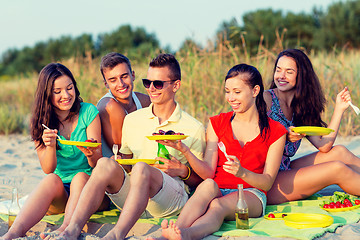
{"type": "Point", "coordinates": [160, 189]}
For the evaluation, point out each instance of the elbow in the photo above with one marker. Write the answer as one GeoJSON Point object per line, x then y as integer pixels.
{"type": "Point", "coordinates": [325, 149]}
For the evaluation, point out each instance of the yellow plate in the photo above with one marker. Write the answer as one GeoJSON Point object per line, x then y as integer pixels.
{"type": "Point", "coordinates": [77, 143]}
{"type": "Point", "coordinates": [340, 209]}
{"type": "Point", "coordinates": [278, 216]}
{"type": "Point", "coordinates": [308, 220]}
{"type": "Point", "coordinates": [167, 137]}
{"type": "Point", "coordinates": [133, 161]}
{"type": "Point", "coordinates": [312, 131]}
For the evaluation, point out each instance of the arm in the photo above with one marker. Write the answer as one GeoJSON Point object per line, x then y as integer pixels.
{"type": "Point", "coordinates": [112, 116]}
{"type": "Point", "coordinates": [47, 154]}
{"type": "Point", "coordinates": [265, 180]}
{"type": "Point", "coordinates": [325, 143]}
{"type": "Point", "coordinates": [93, 131]}
{"type": "Point", "coordinates": [204, 169]}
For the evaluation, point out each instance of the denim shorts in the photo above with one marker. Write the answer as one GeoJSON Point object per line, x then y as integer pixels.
{"type": "Point", "coordinates": [259, 194]}
{"type": "Point", "coordinates": [67, 187]}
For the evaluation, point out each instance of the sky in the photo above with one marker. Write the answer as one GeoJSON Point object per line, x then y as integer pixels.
{"type": "Point", "coordinates": [26, 22]}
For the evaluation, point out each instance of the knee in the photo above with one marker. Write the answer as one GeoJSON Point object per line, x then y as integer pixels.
{"type": "Point", "coordinates": [53, 181]}
{"type": "Point", "coordinates": [140, 171]}
{"type": "Point", "coordinates": [208, 187]}
{"type": "Point", "coordinates": [338, 168]}
{"type": "Point", "coordinates": [105, 167]}
{"type": "Point", "coordinates": [340, 151]}
{"type": "Point", "coordinates": [80, 177]}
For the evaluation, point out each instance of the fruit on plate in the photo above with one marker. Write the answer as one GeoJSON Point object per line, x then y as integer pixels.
{"type": "Point", "coordinates": [271, 215]}
{"type": "Point", "coordinates": [340, 200]}
{"type": "Point", "coordinates": [91, 140]}
{"type": "Point", "coordinates": [169, 132]}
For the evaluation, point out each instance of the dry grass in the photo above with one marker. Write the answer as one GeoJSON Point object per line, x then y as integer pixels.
{"type": "Point", "coordinates": [201, 93]}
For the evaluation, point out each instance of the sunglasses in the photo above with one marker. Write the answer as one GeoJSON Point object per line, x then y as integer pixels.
{"type": "Point", "coordinates": [158, 84]}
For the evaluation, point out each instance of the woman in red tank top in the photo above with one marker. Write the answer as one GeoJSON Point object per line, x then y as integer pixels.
{"type": "Point", "coordinates": [254, 145]}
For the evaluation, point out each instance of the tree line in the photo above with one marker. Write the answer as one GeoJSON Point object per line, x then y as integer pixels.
{"type": "Point", "coordinates": [336, 27]}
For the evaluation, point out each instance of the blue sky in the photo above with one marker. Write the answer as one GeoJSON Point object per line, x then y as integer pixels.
{"type": "Point", "coordinates": [26, 22]}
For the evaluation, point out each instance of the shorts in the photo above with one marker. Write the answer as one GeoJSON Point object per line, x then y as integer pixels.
{"type": "Point", "coordinates": [259, 194]}
{"type": "Point", "coordinates": [67, 187]}
{"type": "Point", "coordinates": [168, 201]}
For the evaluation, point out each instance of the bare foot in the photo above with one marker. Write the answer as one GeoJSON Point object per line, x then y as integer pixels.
{"type": "Point", "coordinates": [10, 235]}
{"type": "Point", "coordinates": [172, 232]}
{"type": "Point", "coordinates": [112, 235]}
{"type": "Point", "coordinates": [70, 233]}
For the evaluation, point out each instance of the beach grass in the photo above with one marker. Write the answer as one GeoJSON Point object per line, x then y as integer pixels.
{"type": "Point", "coordinates": [202, 87]}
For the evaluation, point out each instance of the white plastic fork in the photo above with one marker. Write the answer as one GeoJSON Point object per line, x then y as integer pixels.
{"type": "Point", "coordinates": [222, 147]}
{"type": "Point", "coordinates": [50, 129]}
{"type": "Point", "coordinates": [115, 150]}
{"type": "Point", "coordinates": [356, 109]}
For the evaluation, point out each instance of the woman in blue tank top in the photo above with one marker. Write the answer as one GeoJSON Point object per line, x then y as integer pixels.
{"type": "Point", "coordinates": [296, 99]}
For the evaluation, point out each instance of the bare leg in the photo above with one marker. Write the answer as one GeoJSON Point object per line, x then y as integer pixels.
{"type": "Point", "coordinates": [107, 175]}
{"type": "Point", "coordinates": [48, 195]}
{"type": "Point", "coordinates": [146, 182]}
{"type": "Point", "coordinates": [197, 205]}
{"type": "Point", "coordinates": [300, 183]}
{"type": "Point", "coordinates": [219, 209]}
{"type": "Point", "coordinates": [337, 153]}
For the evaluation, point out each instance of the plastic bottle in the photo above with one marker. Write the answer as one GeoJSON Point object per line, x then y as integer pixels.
{"type": "Point", "coordinates": [14, 208]}
{"type": "Point", "coordinates": [241, 211]}
{"type": "Point", "coordinates": [162, 152]}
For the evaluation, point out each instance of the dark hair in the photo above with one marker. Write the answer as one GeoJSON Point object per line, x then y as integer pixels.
{"type": "Point", "coordinates": [43, 110]}
{"type": "Point", "coordinates": [252, 77]}
{"type": "Point", "coordinates": [168, 60]}
{"type": "Point", "coordinates": [111, 60]}
{"type": "Point", "coordinates": [309, 100]}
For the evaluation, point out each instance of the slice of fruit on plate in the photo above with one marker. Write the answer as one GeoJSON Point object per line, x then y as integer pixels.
{"type": "Point", "coordinates": [276, 216]}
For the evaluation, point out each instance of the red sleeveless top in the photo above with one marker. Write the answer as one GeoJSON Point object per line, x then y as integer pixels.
{"type": "Point", "coordinates": [252, 155]}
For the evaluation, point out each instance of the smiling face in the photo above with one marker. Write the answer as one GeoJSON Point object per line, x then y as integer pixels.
{"type": "Point", "coordinates": [120, 81]}
{"type": "Point", "coordinates": [167, 93]}
{"type": "Point", "coordinates": [240, 95]}
{"type": "Point", "coordinates": [63, 94]}
{"type": "Point", "coordinates": [285, 74]}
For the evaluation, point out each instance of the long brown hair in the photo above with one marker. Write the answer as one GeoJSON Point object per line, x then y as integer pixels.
{"type": "Point", "coordinates": [253, 78]}
{"type": "Point", "coordinates": [309, 100]}
{"type": "Point", "coordinates": [43, 110]}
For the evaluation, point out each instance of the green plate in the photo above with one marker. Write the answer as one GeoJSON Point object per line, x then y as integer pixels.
{"type": "Point", "coordinates": [308, 220]}
{"type": "Point", "coordinates": [312, 131]}
{"type": "Point", "coordinates": [77, 143]}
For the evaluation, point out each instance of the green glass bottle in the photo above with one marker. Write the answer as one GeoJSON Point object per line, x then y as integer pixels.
{"type": "Point", "coordinates": [162, 152]}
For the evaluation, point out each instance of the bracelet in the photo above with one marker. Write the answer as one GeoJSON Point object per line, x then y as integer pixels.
{"type": "Point", "coordinates": [187, 177]}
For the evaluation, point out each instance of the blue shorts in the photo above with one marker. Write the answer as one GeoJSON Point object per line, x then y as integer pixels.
{"type": "Point", "coordinates": [67, 187]}
{"type": "Point", "coordinates": [259, 194]}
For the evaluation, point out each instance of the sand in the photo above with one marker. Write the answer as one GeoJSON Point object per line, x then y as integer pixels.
{"type": "Point", "coordinates": [19, 167]}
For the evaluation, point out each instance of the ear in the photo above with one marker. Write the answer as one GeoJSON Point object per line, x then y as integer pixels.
{"type": "Point", "coordinates": [256, 90]}
{"type": "Point", "coordinates": [106, 85]}
{"type": "Point", "coordinates": [133, 75]}
{"type": "Point", "coordinates": [176, 86]}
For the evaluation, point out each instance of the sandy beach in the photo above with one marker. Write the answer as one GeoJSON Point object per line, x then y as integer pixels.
{"type": "Point", "coordinates": [19, 167]}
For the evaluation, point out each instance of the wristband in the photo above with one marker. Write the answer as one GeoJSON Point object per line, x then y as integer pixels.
{"type": "Point", "coordinates": [187, 177]}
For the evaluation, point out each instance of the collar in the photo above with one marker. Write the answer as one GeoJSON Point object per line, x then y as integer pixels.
{"type": "Point", "coordinates": [175, 116]}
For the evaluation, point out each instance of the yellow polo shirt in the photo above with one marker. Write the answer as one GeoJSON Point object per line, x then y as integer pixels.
{"type": "Point", "coordinates": [141, 123]}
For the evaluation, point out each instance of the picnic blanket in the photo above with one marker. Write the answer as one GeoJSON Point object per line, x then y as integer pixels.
{"type": "Point", "coordinates": [258, 226]}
